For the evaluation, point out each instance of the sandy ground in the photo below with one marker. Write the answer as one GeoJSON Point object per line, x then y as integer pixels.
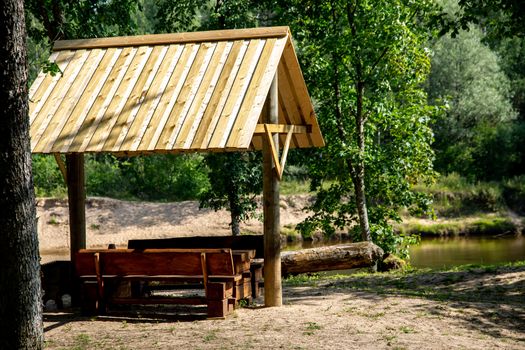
{"type": "Point", "coordinates": [443, 310]}
{"type": "Point", "coordinates": [114, 221]}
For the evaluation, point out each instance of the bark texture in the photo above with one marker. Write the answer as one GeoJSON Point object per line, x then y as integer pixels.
{"type": "Point", "coordinates": [20, 291]}
{"type": "Point", "coordinates": [337, 257]}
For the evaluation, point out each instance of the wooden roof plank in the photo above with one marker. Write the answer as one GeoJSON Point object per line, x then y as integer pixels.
{"type": "Point", "coordinates": [197, 66]}
{"type": "Point", "coordinates": [295, 76]}
{"type": "Point", "coordinates": [41, 95]}
{"type": "Point", "coordinates": [179, 76]}
{"type": "Point", "coordinates": [87, 101]}
{"type": "Point", "coordinates": [103, 100]}
{"type": "Point", "coordinates": [57, 96]}
{"type": "Point", "coordinates": [290, 105]}
{"type": "Point", "coordinates": [221, 91]}
{"type": "Point", "coordinates": [119, 100]}
{"type": "Point", "coordinates": [39, 80]}
{"type": "Point", "coordinates": [69, 103]}
{"type": "Point", "coordinates": [242, 81]}
{"type": "Point", "coordinates": [224, 94]}
{"type": "Point", "coordinates": [188, 130]}
{"type": "Point", "coordinates": [256, 97]}
{"type": "Point", "coordinates": [202, 66]}
{"type": "Point", "coordinates": [174, 38]}
{"type": "Point", "coordinates": [137, 98]}
{"type": "Point", "coordinates": [153, 98]}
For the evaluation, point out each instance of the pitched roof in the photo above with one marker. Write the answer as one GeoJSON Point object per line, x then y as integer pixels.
{"type": "Point", "coordinates": [170, 93]}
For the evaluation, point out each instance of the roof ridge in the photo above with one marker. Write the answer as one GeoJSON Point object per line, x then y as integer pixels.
{"type": "Point", "coordinates": [172, 38]}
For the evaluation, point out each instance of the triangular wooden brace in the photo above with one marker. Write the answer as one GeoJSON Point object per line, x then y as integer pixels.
{"type": "Point", "coordinates": [279, 165]}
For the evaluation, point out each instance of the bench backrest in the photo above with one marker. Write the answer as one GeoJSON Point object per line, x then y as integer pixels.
{"type": "Point", "coordinates": [243, 242]}
{"type": "Point", "coordinates": [152, 262]}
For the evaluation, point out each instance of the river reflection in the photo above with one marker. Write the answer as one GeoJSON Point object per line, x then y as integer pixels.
{"type": "Point", "coordinates": [451, 251]}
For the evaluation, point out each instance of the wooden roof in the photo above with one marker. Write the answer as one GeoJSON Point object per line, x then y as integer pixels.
{"type": "Point", "coordinates": [170, 93]}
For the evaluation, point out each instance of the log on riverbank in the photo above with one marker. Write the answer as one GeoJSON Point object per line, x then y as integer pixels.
{"type": "Point", "coordinates": [336, 257]}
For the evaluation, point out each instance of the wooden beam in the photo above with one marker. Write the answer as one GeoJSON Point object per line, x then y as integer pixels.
{"type": "Point", "coordinates": [272, 241]}
{"type": "Point", "coordinates": [283, 128]}
{"type": "Point", "coordinates": [61, 166]}
{"type": "Point", "coordinates": [77, 202]}
{"type": "Point", "coordinates": [175, 38]}
{"type": "Point", "coordinates": [279, 165]}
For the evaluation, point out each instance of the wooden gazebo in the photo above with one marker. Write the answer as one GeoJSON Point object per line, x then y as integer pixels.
{"type": "Point", "coordinates": [229, 90]}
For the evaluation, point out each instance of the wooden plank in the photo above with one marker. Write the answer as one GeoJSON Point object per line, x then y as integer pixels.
{"type": "Point", "coordinates": [283, 117]}
{"type": "Point", "coordinates": [281, 128]}
{"type": "Point", "coordinates": [135, 100]}
{"type": "Point", "coordinates": [160, 300]}
{"type": "Point", "coordinates": [128, 108]}
{"type": "Point", "coordinates": [222, 89]}
{"type": "Point", "coordinates": [203, 95]}
{"type": "Point", "coordinates": [38, 99]}
{"type": "Point", "coordinates": [254, 101]}
{"type": "Point", "coordinates": [55, 99]}
{"type": "Point", "coordinates": [178, 65]}
{"type": "Point", "coordinates": [190, 51]}
{"type": "Point", "coordinates": [236, 243]}
{"type": "Point", "coordinates": [39, 81]}
{"type": "Point", "coordinates": [103, 100]}
{"type": "Point", "coordinates": [237, 93]}
{"type": "Point", "coordinates": [293, 70]}
{"type": "Point", "coordinates": [204, 272]}
{"type": "Point", "coordinates": [152, 99]}
{"type": "Point", "coordinates": [64, 114]}
{"type": "Point", "coordinates": [271, 226]}
{"type": "Point", "coordinates": [201, 65]}
{"type": "Point", "coordinates": [83, 107]}
{"type": "Point", "coordinates": [61, 166]}
{"type": "Point", "coordinates": [290, 107]}
{"type": "Point", "coordinates": [109, 116]}
{"type": "Point", "coordinates": [273, 150]}
{"type": "Point", "coordinates": [177, 38]}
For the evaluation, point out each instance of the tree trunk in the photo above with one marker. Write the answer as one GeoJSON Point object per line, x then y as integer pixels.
{"type": "Point", "coordinates": [359, 178]}
{"type": "Point", "coordinates": [236, 230]}
{"type": "Point", "coordinates": [336, 257]}
{"type": "Point", "coordinates": [20, 291]}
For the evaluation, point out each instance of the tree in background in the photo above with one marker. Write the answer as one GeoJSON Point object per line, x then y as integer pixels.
{"type": "Point", "coordinates": [466, 76]}
{"type": "Point", "coordinates": [235, 179]}
{"type": "Point", "coordinates": [20, 290]}
{"type": "Point", "coordinates": [479, 136]}
{"type": "Point", "coordinates": [365, 62]}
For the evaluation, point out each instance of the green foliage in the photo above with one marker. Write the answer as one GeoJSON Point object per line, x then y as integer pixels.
{"type": "Point", "coordinates": [467, 77]}
{"type": "Point", "coordinates": [48, 180]}
{"type": "Point", "coordinates": [155, 178]}
{"type": "Point", "coordinates": [456, 196]}
{"type": "Point", "coordinates": [59, 19]}
{"type": "Point", "coordinates": [165, 177]}
{"type": "Point", "coordinates": [235, 180]}
{"type": "Point", "coordinates": [365, 60]}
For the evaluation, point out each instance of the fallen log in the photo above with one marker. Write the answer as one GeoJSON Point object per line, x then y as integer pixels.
{"type": "Point", "coordinates": [336, 257]}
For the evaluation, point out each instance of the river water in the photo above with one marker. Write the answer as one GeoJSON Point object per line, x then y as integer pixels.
{"type": "Point", "coordinates": [451, 251]}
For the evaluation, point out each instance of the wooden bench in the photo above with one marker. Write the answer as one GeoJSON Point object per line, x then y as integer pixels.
{"type": "Point", "coordinates": [238, 244]}
{"type": "Point", "coordinates": [102, 271]}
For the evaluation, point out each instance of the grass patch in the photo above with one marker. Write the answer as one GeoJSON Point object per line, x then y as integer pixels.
{"type": "Point", "coordinates": [311, 327]}
{"type": "Point", "coordinates": [311, 280]}
{"type": "Point", "coordinates": [477, 225]}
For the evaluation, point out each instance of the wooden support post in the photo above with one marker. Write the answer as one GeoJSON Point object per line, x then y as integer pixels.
{"type": "Point", "coordinates": [272, 241]}
{"type": "Point", "coordinates": [76, 192]}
